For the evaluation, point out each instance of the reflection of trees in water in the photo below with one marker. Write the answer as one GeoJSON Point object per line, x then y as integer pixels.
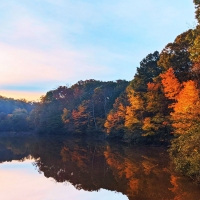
{"type": "Point", "coordinates": [81, 163]}
{"type": "Point", "coordinates": [142, 171]}
{"type": "Point", "coordinates": [15, 147]}
{"type": "Point", "coordinates": [138, 172]}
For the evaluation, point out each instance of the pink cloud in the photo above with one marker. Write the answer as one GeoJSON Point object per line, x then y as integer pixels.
{"type": "Point", "coordinates": [21, 65]}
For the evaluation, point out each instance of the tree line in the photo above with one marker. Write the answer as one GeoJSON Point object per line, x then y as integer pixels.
{"type": "Point", "coordinates": [160, 105]}
{"type": "Point", "coordinates": [15, 114]}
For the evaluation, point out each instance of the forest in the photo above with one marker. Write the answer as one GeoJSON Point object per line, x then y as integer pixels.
{"type": "Point", "coordinates": [160, 106]}
{"type": "Point", "coordinates": [14, 114]}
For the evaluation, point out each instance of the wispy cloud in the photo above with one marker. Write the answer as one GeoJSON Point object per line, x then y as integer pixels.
{"type": "Point", "coordinates": [23, 65]}
{"type": "Point", "coordinates": [49, 43]}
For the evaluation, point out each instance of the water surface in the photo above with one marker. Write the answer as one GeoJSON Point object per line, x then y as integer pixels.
{"type": "Point", "coordinates": [62, 168]}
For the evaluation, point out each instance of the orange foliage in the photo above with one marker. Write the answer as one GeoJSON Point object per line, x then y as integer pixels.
{"type": "Point", "coordinates": [133, 185]}
{"type": "Point", "coordinates": [176, 190]}
{"type": "Point", "coordinates": [187, 98]}
{"type": "Point", "coordinates": [75, 115]}
{"type": "Point", "coordinates": [121, 111]}
{"type": "Point", "coordinates": [187, 108]}
{"type": "Point", "coordinates": [123, 168]}
{"type": "Point", "coordinates": [186, 112]}
{"type": "Point", "coordinates": [111, 120]}
{"type": "Point", "coordinates": [196, 68]}
{"type": "Point", "coordinates": [153, 86]}
{"type": "Point", "coordinates": [148, 166]}
{"type": "Point", "coordinates": [115, 118]}
{"type": "Point", "coordinates": [165, 123]}
{"type": "Point", "coordinates": [171, 84]}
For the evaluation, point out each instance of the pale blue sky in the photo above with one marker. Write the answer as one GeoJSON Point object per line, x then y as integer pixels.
{"type": "Point", "coordinates": [47, 43]}
{"type": "Point", "coordinates": [21, 180]}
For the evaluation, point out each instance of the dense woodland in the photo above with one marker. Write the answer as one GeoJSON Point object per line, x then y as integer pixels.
{"type": "Point", "coordinates": [160, 105]}
{"type": "Point", "coordinates": [15, 114]}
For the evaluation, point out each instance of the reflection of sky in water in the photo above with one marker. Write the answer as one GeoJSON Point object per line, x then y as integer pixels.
{"type": "Point", "coordinates": [21, 181]}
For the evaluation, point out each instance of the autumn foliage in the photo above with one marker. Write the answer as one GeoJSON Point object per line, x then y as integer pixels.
{"type": "Point", "coordinates": [171, 84]}
{"type": "Point", "coordinates": [160, 103]}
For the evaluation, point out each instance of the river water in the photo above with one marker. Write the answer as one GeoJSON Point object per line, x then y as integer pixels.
{"type": "Point", "coordinates": [52, 168]}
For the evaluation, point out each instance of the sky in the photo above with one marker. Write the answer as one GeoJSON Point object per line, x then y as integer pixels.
{"type": "Point", "coordinates": [20, 180]}
{"type": "Point", "coordinates": [48, 43]}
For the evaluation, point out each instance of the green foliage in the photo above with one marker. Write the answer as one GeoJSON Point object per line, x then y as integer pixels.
{"type": "Point", "coordinates": [185, 153]}
{"type": "Point", "coordinates": [8, 105]}
{"type": "Point", "coordinates": [14, 114]}
{"type": "Point", "coordinates": [146, 72]}
{"type": "Point", "coordinates": [197, 12]}
{"type": "Point", "coordinates": [47, 116]}
{"type": "Point", "coordinates": [177, 56]}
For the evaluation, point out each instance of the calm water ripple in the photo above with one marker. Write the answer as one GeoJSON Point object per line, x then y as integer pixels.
{"type": "Point", "coordinates": [73, 168]}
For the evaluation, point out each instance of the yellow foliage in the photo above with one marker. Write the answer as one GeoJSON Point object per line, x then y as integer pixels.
{"type": "Point", "coordinates": [133, 111]}
{"type": "Point", "coordinates": [110, 121]}
{"type": "Point", "coordinates": [149, 126]}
